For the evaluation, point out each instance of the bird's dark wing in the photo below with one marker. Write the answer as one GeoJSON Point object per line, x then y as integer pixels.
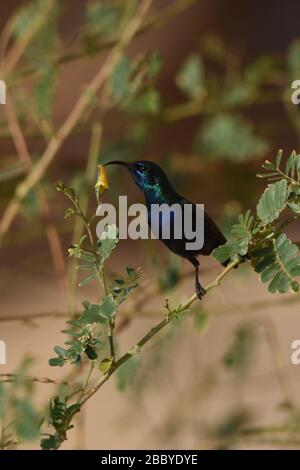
{"type": "Point", "coordinates": [212, 235]}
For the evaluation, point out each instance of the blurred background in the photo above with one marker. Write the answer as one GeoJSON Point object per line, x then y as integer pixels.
{"type": "Point", "coordinates": [205, 90]}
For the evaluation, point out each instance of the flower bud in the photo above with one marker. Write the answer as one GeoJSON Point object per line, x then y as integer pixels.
{"type": "Point", "coordinates": [102, 182]}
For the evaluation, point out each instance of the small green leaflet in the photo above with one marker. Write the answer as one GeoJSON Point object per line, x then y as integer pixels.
{"type": "Point", "coordinates": [278, 263]}
{"type": "Point", "coordinates": [224, 252]}
{"type": "Point", "coordinates": [293, 166]}
{"type": "Point", "coordinates": [291, 170]}
{"type": "Point", "coordinates": [272, 201]}
{"type": "Point", "coordinates": [99, 313]}
{"type": "Point", "coordinates": [108, 241]}
{"type": "Point", "coordinates": [239, 242]}
{"type": "Point", "coordinates": [294, 199]}
{"type": "Point", "coordinates": [122, 287]}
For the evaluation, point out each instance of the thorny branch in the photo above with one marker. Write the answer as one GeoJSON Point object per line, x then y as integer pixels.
{"type": "Point", "coordinates": [27, 378]}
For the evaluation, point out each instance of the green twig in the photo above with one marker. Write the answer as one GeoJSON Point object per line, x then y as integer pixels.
{"type": "Point", "coordinates": [90, 172]}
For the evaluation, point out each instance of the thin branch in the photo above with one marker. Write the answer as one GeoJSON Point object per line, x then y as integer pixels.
{"type": "Point", "coordinates": [90, 172]}
{"type": "Point", "coordinates": [16, 133]}
{"type": "Point", "coordinates": [42, 380]}
{"type": "Point", "coordinates": [12, 172]}
{"type": "Point", "coordinates": [34, 316]}
{"type": "Point", "coordinates": [242, 308]}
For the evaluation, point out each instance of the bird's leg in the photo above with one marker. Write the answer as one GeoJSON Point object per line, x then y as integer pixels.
{"type": "Point", "coordinates": [200, 291]}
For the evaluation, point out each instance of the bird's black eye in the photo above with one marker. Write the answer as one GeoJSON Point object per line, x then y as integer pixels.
{"type": "Point", "coordinates": [141, 167]}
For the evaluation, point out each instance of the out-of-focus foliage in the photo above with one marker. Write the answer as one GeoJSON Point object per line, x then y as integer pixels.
{"type": "Point", "coordinates": [229, 137]}
{"type": "Point", "coordinates": [20, 420]}
{"type": "Point", "coordinates": [103, 18]}
{"type": "Point", "coordinates": [126, 373]}
{"type": "Point", "coordinates": [190, 79]}
{"type": "Point", "coordinates": [238, 357]}
{"type": "Point", "coordinates": [41, 55]}
{"type": "Point", "coordinates": [293, 59]}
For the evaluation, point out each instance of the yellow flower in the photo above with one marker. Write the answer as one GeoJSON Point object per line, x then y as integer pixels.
{"type": "Point", "coordinates": [102, 182]}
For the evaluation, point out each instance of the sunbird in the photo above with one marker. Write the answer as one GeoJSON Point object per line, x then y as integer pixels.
{"type": "Point", "coordinates": [157, 189]}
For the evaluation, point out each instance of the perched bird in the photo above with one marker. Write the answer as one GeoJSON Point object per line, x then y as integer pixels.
{"type": "Point", "coordinates": [157, 189]}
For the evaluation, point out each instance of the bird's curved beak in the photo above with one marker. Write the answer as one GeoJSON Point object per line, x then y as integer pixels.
{"type": "Point", "coordinates": [128, 165]}
{"type": "Point", "coordinates": [121, 163]}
